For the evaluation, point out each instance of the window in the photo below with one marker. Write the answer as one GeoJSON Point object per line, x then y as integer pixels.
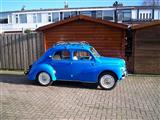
{"type": "Point", "coordinates": [126, 15]}
{"type": "Point", "coordinates": [93, 14]}
{"type": "Point", "coordinates": [108, 15]}
{"type": "Point", "coordinates": [16, 18]}
{"type": "Point", "coordinates": [82, 55]}
{"type": "Point", "coordinates": [10, 19]}
{"type": "Point", "coordinates": [94, 52]}
{"type": "Point", "coordinates": [49, 17]}
{"type": "Point", "coordinates": [5, 17]}
{"type": "Point", "coordinates": [147, 16]}
{"type": "Point", "coordinates": [34, 18]}
{"type": "Point", "coordinates": [61, 55]}
{"type": "Point", "coordinates": [143, 16]}
{"type": "Point", "coordinates": [4, 21]}
{"type": "Point", "coordinates": [66, 15]}
{"type": "Point", "coordinates": [23, 18]}
{"type": "Point", "coordinates": [37, 18]}
{"type": "Point", "coordinates": [73, 13]}
{"type": "Point", "coordinates": [87, 13]}
{"type": "Point", "coordinates": [140, 16]}
{"type": "Point", "coordinates": [150, 16]}
{"type": "Point", "coordinates": [55, 16]}
{"type": "Point", "coordinates": [99, 14]}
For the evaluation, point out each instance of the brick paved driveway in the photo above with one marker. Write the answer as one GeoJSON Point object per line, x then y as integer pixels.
{"type": "Point", "coordinates": [138, 97]}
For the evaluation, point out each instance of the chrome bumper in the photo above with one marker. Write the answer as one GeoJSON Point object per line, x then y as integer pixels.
{"type": "Point", "coordinates": [124, 75]}
{"type": "Point", "coordinates": [27, 71]}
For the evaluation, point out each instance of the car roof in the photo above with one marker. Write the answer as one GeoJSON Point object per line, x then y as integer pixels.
{"type": "Point", "coordinates": [72, 45]}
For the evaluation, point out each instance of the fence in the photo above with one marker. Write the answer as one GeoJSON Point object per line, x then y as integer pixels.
{"type": "Point", "coordinates": [18, 51]}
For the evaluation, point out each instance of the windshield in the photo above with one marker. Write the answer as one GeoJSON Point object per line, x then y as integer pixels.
{"type": "Point", "coordinates": [94, 52]}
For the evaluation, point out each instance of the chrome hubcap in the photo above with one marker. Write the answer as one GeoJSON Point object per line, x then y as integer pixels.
{"type": "Point", "coordinates": [107, 81]}
{"type": "Point", "coordinates": [44, 78]}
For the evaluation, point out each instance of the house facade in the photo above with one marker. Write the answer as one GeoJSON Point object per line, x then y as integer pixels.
{"type": "Point", "coordinates": [19, 21]}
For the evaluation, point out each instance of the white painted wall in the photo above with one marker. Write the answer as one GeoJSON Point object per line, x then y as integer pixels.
{"type": "Point", "coordinates": [44, 17]}
{"type": "Point", "coordinates": [20, 27]}
{"type": "Point", "coordinates": [145, 11]}
{"type": "Point", "coordinates": [30, 18]}
{"type": "Point", "coordinates": [157, 14]}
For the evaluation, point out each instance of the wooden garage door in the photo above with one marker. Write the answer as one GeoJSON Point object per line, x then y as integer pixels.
{"type": "Point", "coordinates": [147, 50]}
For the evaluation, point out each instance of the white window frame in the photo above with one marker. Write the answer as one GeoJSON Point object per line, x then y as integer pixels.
{"type": "Point", "coordinates": [49, 15]}
{"type": "Point", "coordinates": [17, 18]}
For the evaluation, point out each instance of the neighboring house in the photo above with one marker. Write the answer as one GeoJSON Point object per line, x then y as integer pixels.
{"type": "Point", "coordinates": [31, 19]}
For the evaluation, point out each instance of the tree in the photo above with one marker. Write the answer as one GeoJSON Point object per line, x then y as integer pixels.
{"type": "Point", "coordinates": [151, 2]}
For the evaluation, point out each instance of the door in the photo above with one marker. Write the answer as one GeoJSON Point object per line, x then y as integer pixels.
{"type": "Point", "coordinates": [61, 62]}
{"type": "Point", "coordinates": [83, 66]}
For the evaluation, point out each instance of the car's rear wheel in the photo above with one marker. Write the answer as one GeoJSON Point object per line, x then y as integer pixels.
{"type": "Point", "coordinates": [44, 79]}
{"type": "Point", "coordinates": [107, 81]}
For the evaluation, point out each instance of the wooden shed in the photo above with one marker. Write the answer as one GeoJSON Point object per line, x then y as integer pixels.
{"type": "Point", "coordinates": [146, 48]}
{"type": "Point", "coordinates": [107, 37]}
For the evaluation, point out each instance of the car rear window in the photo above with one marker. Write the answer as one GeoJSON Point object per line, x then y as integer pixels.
{"type": "Point", "coordinates": [61, 55]}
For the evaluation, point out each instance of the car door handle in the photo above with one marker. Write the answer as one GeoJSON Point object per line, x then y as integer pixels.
{"type": "Point", "coordinates": [71, 63]}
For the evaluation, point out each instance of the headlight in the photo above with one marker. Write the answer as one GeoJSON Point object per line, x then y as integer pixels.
{"type": "Point", "coordinates": [123, 69]}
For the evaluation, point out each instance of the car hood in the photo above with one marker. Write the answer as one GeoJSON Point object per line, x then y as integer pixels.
{"type": "Point", "coordinates": [112, 61]}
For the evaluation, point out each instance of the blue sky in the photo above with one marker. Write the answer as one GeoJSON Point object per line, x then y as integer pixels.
{"type": "Point", "coordinates": [9, 5]}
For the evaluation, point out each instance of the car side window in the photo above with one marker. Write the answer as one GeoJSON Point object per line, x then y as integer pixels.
{"type": "Point", "coordinates": [61, 55]}
{"type": "Point", "coordinates": [82, 55]}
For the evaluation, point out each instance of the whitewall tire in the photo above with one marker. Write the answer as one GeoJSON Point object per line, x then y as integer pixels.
{"type": "Point", "coordinates": [44, 79]}
{"type": "Point", "coordinates": [107, 81]}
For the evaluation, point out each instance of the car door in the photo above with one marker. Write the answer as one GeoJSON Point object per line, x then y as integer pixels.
{"type": "Point", "coordinates": [83, 66]}
{"type": "Point", "coordinates": [61, 62]}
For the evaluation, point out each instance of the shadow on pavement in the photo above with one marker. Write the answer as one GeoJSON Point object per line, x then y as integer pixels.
{"type": "Point", "coordinates": [22, 80]}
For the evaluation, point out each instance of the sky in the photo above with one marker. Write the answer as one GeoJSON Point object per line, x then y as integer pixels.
{"type": "Point", "coordinates": [10, 5]}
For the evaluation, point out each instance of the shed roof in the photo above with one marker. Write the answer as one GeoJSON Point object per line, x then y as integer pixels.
{"type": "Point", "coordinates": [146, 25]}
{"type": "Point", "coordinates": [82, 17]}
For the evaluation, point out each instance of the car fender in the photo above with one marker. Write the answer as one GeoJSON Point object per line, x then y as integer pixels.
{"type": "Point", "coordinates": [112, 68]}
{"type": "Point", "coordinates": [35, 70]}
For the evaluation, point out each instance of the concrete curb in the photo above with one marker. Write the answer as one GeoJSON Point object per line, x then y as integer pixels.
{"type": "Point", "coordinates": [8, 72]}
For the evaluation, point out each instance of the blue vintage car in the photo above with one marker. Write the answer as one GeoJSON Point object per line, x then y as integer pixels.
{"type": "Point", "coordinates": [77, 61]}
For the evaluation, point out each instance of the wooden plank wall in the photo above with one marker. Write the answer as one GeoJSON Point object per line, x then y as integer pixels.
{"type": "Point", "coordinates": [18, 50]}
{"type": "Point", "coordinates": [109, 41]}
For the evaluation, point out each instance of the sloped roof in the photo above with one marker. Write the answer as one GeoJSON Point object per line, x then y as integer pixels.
{"type": "Point", "coordinates": [82, 17]}
{"type": "Point", "coordinates": [72, 8]}
{"type": "Point", "coordinates": [146, 25]}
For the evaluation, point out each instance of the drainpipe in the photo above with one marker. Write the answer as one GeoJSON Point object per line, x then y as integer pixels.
{"type": "Point", "coordinates": [137, 14]}
{"type": "Point", "coordinates": [152, 14]}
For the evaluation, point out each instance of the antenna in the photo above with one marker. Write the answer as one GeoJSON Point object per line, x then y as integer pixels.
{"type": "Point", "coordinates": [65, 4]}
{"type": "Point", "coordinates": [23, 8]}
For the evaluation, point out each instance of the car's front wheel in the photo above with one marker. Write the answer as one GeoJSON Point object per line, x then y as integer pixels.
{"type": "Point", "coordinates": [107, 81]}
{"type": "Point", "coordinates": [44, 79]}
